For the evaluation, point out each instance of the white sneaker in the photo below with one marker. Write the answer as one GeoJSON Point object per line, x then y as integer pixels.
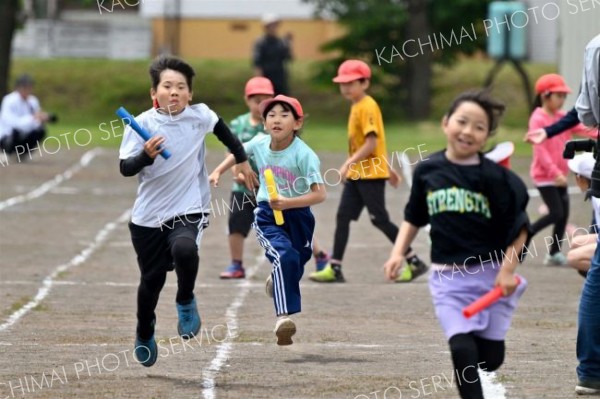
{"type": "Point", "coordinates": [269, 286]}
{"type": "Point", "coordinates": [285, 329]}
{"type": "Point", "coordinates": [558, 259]}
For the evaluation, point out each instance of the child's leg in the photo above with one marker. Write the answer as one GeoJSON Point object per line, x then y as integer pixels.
{"type": "Point", "coordinates": [554, 202]}
{"type": "Point", "coordinates": [373, 195]}
{"type": "Point", "coordinates": [349, 209]}
{"type": "Point", "coordinates": [153, 259]}
{"type": "Point", "coordinates": [491, 353]}
{"type": "Point", "coordinates": [561, 219]}
{"type": "Point", "coordinates": [286, 272]}
{"type": "Point", "coordinates": [465, 356]}
{"type": "Point", "coordinates": [184, 239]}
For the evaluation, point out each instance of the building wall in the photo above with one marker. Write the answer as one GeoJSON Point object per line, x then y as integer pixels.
{"type": "Point", "coordinates": [234, 38]}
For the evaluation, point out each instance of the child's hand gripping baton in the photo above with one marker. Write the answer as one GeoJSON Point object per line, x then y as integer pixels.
{"type": "Point", "coordinates": [272, 191]}
{"type": "Point", "coordinates": [130, 120]}
{"type": "Point", "coordinates": [485, 301]}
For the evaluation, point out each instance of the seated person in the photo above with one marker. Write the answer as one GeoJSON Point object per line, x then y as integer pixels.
{"type": "Point", "coordinates": [584, 246]}
{"type": "Point", "coordinates": [21, 118]}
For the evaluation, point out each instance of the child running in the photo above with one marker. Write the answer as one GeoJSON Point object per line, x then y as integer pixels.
{"type": "Point", "coordinates": [364, 174]}
{"type": "Point", "coordinates": [173, 198]}
{"type": "Point", "coordinates": [549, 169]}
{"type": "Point", "coordinates": [476, 209]}
{"type": "Point", "coordinates": [243, 201]}
{"type": "Point", "coordinates": [297, 174]}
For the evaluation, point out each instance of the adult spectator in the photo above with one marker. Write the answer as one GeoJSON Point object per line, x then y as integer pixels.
{"type": "Point", "coordinates": [271, 54]}
{"type": "Point", "coordinates": [588, 334]}
{"type": "Point", "coordinates": [21, 118]}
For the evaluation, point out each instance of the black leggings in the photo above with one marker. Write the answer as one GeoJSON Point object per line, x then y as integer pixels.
{"type": "Point", "coordinates": [158, 250]}
{"type": "Point", "coordinates": [358, 194]}
{"type": "Point", "coordinates": [557, 201]}
{"type": "Point", "coordinates": [470, 353]}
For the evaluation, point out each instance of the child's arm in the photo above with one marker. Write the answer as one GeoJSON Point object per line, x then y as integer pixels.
{"type": "Point", "coordinates": [405, 237]}
{"type": "Point", "coordinates": [363, 152]}
{"type": "Point", "coordinates": [133, 165]}
{"type": "Point", "coordinates": [317, 194]}
{"type": "Point", "coordinates": [237, 150]}
{"type": "Point", "coordinates": [227, 163]}
{"type": "Point", "coordinates": [506, 276]}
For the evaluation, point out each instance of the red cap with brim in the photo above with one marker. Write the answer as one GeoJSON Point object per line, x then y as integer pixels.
{"type": "Point", "coordinates": [551, 83]}
{"type": "Point", "coordinates": [352, 70]}
{"type": "Point", "coordinates": [291, 101]}
{"type": "Point", "coordinates": [259, 85]}
{"type": "Point", "coordinates": [501, 153]}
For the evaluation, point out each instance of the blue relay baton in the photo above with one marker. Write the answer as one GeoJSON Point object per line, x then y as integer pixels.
{"type": "Point", "coordinates": [130, 120]}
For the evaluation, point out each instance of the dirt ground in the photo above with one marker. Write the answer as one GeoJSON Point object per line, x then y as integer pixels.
{"type": "Point", "coordinates": [68, 279]}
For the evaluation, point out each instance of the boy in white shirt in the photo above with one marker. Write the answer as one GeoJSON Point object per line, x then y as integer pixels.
{"type": "Point", "coordinates": [172, 204]}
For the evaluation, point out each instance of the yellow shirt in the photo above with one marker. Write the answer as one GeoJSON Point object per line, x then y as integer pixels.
{"type": "Point", "coordinates": [365, 117]}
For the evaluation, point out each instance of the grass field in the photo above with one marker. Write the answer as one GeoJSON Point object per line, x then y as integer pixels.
{"type": "Point", "coordinates": [87, 99]}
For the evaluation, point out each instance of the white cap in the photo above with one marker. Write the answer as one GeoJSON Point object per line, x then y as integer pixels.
{"type": "Point", "coordinates": [270, 18]}
{"type": "Point", "coordinates": [582, 164]}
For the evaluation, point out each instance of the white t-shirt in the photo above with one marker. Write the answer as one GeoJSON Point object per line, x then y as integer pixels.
{"type": "Point", "coordinates": [18, 113]}
{"type": "Point", "coordinates": [177, 186]}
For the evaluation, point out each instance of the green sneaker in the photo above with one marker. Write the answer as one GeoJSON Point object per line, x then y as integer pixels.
{"type": "Point", "coordinates": [414, 268]}
{"type": "Point", "coordinates": [327, 275]}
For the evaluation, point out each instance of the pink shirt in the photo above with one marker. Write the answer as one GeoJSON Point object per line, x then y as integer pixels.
{"type": "Point", "coordinates": [548, 162]}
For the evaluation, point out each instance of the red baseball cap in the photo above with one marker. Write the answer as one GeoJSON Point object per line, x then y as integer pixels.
{"type": "Point", "coordinates": [551, 83]}
{"type": "Point", "coordinates": [280, 98]}
{"type": "Point", "coordinates": [259, 85]}
{"type": "Point", "coordinates": [351, 70]}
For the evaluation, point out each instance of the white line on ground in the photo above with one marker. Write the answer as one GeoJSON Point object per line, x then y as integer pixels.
{"type": "Point", "coordinates": [83, 162]}
{"type": "Point", "coordinates": [80, 258]}
{"type": "Point", "coordinates": [210, 373]}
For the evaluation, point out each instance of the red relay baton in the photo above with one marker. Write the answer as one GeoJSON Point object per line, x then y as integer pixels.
{"type": "Point", "coordinates": [484, 301]}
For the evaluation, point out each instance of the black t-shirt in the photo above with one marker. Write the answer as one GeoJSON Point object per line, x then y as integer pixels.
{"type": "Point", "coordinates": [475, 211]}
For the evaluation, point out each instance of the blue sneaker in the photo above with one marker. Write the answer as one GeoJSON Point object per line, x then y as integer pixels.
{"type": "Point", "coordinates": [189, 320]}
{"type": "Point", "coordinates": [321, 260]}
{"type": "Point", "coordinates": [145, 351]}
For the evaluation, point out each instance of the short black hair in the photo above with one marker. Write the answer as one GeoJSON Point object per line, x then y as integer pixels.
{"type": "Point", "coordinates": [170, 62]}
{"type": "Point", "coordinates": [25, 80]}
{"type": "Point", "coordinates": [285, 106]}
{"type": "Point", "coordinates": [492, 107]}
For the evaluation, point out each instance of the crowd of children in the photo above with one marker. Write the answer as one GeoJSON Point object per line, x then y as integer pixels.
{"type": "Point", "coordinates": [473, 205]}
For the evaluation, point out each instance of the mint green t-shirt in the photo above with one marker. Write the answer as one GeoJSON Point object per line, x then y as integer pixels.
{"type": "Point", "coordinates": [245, 132]}
{"type": "Point", "coordinates": [295, 169]}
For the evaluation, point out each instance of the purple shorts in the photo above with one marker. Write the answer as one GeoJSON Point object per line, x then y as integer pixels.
{"type": "Point", "coordinates": [454, 288]}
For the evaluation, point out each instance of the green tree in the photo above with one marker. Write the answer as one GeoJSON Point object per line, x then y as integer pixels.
{"type": "Point", "coordinates": [404, 39]}
{"type": "Point", "coordinates": [9, 11]}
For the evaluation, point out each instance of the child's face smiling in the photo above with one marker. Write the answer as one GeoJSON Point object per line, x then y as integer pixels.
{"type": "Point", "coordinates": [467, 130]}
{"type": "Point", "coordinates": [172, 93]}
{"type": "Point", "coordinates": [280, 124]}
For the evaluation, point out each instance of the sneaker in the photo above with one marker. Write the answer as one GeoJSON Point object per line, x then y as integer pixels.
{"type": "Point", "coordinates": [327, 275]}
{"type": "Point", "coordinates": [285, 329]}
{"type": "Point", "coordinates": [233, 271]}
{"type": "Point", "coordinates": [269, 286]}
{"type": "Point", "coordinates": [587, 388]}
{"type": "Point", "coordinates": [189, 319]}
{"type": "Point", "coordinates": [145, 351]}
{"type": "Point", "coordinates": [414, 268]}
{"type": "Point", "coordinates": [321, 260]}
{"type": "Point", "coordinates": [558, 259]}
